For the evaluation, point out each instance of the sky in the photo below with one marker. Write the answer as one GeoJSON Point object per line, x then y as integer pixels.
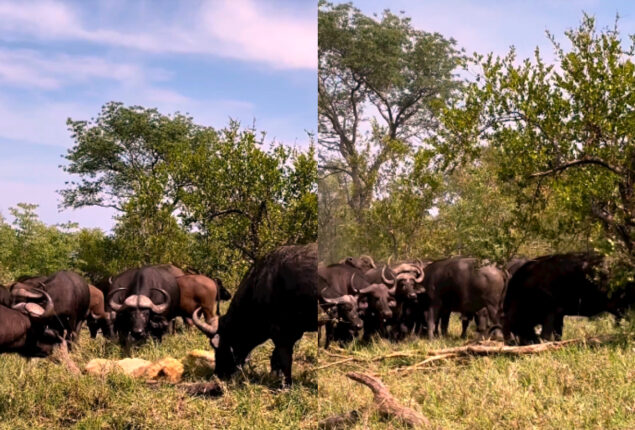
{"type": "Point", "coordinates": [242, 59]}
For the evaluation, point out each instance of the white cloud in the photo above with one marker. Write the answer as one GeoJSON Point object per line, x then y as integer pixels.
{"type": "Point", "coordinates": [31, 69]}
{"type": "Point", "coordinates": [240, 29]}
{"type": "Point", "coordinates": [250, 31]}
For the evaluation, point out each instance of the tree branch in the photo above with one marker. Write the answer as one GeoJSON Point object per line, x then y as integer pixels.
{"type": "Point", "coordinates": [581, 161]}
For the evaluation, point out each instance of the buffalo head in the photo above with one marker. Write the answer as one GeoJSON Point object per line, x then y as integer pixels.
{"type": "Point", "coordinates": [406, 281]}
{"type": "Point", "coordinates": [227, 359]}
{"type": "Point", "coordinates": [135, 310]}
{"type": "Point", "coordinates": [346, 310]}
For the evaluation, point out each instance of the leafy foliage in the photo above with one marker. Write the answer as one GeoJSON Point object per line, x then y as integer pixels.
{"type": "Point", "coordinates": [189, 194]}
{"type": "Point", "coordinates": [384, 67]}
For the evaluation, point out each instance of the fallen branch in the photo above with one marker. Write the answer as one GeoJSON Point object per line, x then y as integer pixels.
{"type": "Point", "coordinates": [342, 421]}
{"type": "Point", "coordinates": [426, 361]}
{"type": "Point", "coordinates": [208, 389]}
{"type": "Point", "coordinates": [386, 403]}
{"type": "Point", "coordinates": [348, 359]}
{"type": "Point", "coordinates": [61, 355]}
{"type": "Point", "coordinates": [489, 349]}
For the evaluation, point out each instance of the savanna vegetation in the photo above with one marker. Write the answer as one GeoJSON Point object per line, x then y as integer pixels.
{"type": "Point", "coordinates": [428, 152]}
{"type": "Point", "coordinates": [204, 199]}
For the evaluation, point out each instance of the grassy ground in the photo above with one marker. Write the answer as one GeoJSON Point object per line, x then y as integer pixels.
{"type": "Point", "coordinates": [577, 387]}
{"type": "Point", "coordinates": [40, 394]}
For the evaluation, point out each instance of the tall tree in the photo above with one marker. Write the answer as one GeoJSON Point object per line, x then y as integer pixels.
{"type": "Point", "coordinates": [169, 178]}
{"type": "Point", "coordinates": [567, 126]}
{"type": "Point", "coordinates": [381, 84]}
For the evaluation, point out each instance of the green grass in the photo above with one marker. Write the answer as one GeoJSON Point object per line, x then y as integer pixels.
{"type": "Point", "coordinates": [39, 394]}
{"type": "Point", "coordinates": [577, 387]}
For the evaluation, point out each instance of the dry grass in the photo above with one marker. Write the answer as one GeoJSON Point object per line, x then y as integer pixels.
{"type": "Point", "coordinates": [577, 387]}
{"type": "Point", "coordinates": [39, 394]}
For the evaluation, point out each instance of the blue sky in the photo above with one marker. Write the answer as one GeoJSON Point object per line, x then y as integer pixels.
{"type": "Point", "coordinates": [243, 59]}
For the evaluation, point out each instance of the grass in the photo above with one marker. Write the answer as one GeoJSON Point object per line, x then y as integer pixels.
{"type": "Point", "coordinates": [577, 387]}
{"type": "Point", "coordinates": [39, 394]}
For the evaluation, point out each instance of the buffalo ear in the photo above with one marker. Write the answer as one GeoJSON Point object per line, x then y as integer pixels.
{"type": "Point", "coordinates": [215, 341]}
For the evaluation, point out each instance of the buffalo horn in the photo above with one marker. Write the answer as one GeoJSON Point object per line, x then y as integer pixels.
{"type": "Point", "coordinates": [159, 309]}
{"type": "Point", "coordinates": [114, 305]}
{"type": "Point", "coordinates": [419, 279]}
{"type": "Point", "coordinates": [383, 276]}
{"type": "Point", "coordinates": [209, 329]}
{"type": "Point", "coordinates": [35, 310]}
{"type": "Point", "coordinates": [405, 267]}
{"type": "Point", "coordinates": [26, 292]}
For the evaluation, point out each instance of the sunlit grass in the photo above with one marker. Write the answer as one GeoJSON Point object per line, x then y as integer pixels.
{"type": "Point", "coordinates": [577, 387]}
{"type": "Point", "coordinates": [39, 394]}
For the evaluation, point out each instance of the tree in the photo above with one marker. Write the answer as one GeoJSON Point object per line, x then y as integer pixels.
{"type": "Point", "coordinates": [178, 185]}
{"type": "Point", "coordinates": [402, 75]}
{"type": "Point", "coordinates": [566, 127]}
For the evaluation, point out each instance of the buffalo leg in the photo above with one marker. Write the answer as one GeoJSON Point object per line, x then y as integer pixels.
{"type": "Point", "coordinates": [282, 359]}
{"type": "Point", "coordinates": [558, 325]}
{"type": "Point", "coordinates": [445, 322]}
{"type": "Point", "coordinates": [431, 320]}
{"type": "Point", "coordinates": [465, 322]}
{"type": "Point", "coordinates": [93, 327]}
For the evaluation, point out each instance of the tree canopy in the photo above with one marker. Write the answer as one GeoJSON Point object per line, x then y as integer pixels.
{"type": "Point", "coordinates": [523, 157]}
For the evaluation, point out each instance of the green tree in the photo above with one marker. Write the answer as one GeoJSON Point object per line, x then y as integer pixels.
{"type": "Point", "coordinates": [566, 127]}
{"type": "Point", "coordinates": [189, 194]}
{"type": "Point", "coordinates": [384, 68]}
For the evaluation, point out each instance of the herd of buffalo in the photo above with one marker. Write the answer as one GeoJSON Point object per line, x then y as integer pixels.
{"type": "Point", "coordinates": [359, 297]}
{"type": "Point", "coordinates": [277, 299]}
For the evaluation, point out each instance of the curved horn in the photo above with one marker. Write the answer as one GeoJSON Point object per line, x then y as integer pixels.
{"type": "Point", "coordinates": [209, 329]}
{"type": "Point", "coordinates": [392, 290]}
{"type": "Point", "coordinates": [389, 258]}
{"type": "Point", "coordinates": [369, 259]}
{"type": "Point", "coordinates": [159, 309]}
{"type": "Point", "coordinates": [110, 280]}
{"type": "Point", "coordinates": [27, 292]}
{"type": "Point", "coordinates": [405, 267]}
{"type": "Point", "coordinates": [366, 290]}
{"type": "Point", "coordinates": [35, 310]}
{"type": "Point", "coordinates": [353, 283]}
{"type": "Point", "coordinates": [331, 301]}
{"type": "Point", "coordinates": [419, 279]}
{"type": "Point", "coordinates": [383, 276]}
{"type": "Point", "coordinates": [114, 305]}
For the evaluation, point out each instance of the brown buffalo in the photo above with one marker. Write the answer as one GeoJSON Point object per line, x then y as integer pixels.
{"type": "Point", "coordinates": [199, 291]}
{"type": "Point", "coordinates": [97, 317]}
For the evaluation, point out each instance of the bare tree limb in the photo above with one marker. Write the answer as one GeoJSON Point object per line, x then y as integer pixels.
{"type": "Point", "coordinates": [582, 161]}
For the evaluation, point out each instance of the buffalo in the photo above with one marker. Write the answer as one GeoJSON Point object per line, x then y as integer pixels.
{"type": "Point", "coordinates": [23, 329]}
{"type": "Point", "coordinates": [458, 284]}
{"type": "Point", "coordinates": [344, 322]}
{"type": "Point", "coordinates": [145, 300]}
{"type": "Point", "coordinates": [276, 300]}
{"type": "Point", "coordinates": [200, 291]}
{"type": "Point", "coordinates": [547, 288]}
{"type": "Point", "coordinates": [98, 318]}
{"type": "Point", "coordinates": [70, 296]}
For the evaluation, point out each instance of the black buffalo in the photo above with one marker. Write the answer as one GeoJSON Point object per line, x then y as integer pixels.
{"type": "Point", "coordinates": [344, 322]}
{"type": "Point", "coordinates": [71, 299]}
{"type": "Point", "coordinates": [23, 330]}
{"type": "Point", "coordinates": [459, 284]}
{"type": "Point", "coordinates": [145, 300]}
{"type": "Point", "coordinates": [276, 300]}
{"type": "Point", "coordinates": [547, 288]}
